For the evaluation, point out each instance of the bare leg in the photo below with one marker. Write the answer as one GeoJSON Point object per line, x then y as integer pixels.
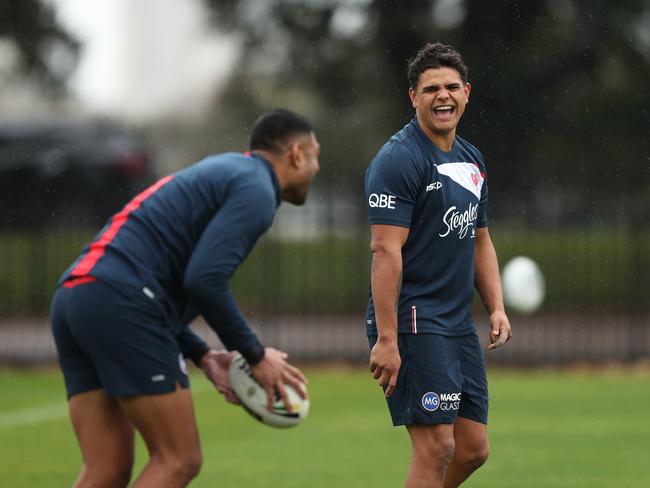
{"type": "Point", "coordinates": [433, 449]}
{"type": "Point", "coordinates": [106, 439]}
{"type": "Point", "coordinates": [472, 449]}
{"type": "Point", "coordinates": [168, 427]}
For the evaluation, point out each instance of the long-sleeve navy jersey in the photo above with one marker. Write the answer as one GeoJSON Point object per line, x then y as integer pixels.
{"type": "Point", "coordinates": [180, 241]}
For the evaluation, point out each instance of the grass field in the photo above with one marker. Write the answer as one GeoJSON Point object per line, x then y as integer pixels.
{"type": "Point", "coordinates": [548, 429]}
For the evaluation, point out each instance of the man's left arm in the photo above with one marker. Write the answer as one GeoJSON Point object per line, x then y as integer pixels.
{"type": "Point", "coordinates": [225, 242]}
{"type": "Point", "coordinates": [214, 363]}
{"type": "Point", "coordinates": [488, 284]}
{"type": "Point", "coordinates": [191, 345]}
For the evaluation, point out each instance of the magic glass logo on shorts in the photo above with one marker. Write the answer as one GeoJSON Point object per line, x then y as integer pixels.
{"type": "Point", "coordinates": [450, 401]}
{"type": "Point", "coordinates": [445, 401]}
{"type": "Point", "coordinates": [430, 401]}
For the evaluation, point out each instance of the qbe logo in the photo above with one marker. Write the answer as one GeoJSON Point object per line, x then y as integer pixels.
{"type": "Point", "coordinates": [430, 401]}
{"type": "Point", "coordinates": [382, 201]}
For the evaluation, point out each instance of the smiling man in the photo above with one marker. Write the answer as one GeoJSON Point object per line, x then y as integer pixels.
{"type": "Point", "coordinates": [427, 196]}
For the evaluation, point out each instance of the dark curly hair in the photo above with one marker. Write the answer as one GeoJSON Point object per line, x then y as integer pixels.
{"type": "Point", "coordinates": [274, 129]}
{"type": "Point", "coordinates": [435, 56]}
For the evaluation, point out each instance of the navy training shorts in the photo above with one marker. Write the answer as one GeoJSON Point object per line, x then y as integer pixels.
{"type": "Point", "coordinates": [440, 378]}
{"type": "Point", "coordinates": [108, 340]}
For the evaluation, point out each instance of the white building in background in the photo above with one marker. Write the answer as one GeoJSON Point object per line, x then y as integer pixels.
{"type": "Point", "coordinates": [139, 60]}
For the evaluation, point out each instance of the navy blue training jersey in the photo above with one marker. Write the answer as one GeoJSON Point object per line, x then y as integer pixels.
{"type": "Point", "coordinates": [441, 197]}
{"type": "Point", "coordinates": [180, 241]}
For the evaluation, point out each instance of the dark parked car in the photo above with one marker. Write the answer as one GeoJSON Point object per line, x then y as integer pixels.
{"type": "Point", "coordinates": [55, 175]}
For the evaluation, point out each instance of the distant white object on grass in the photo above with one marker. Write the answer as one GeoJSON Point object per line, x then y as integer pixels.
{"type": "Point", "coordinates": [254, 400]}
{"type": "Point", "coordinates": [523, 285]}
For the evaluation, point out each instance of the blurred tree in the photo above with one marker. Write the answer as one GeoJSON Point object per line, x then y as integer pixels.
{"type": "Point", "coordinates": [559, 104]}
{"type": "Point", "coordinates": [561, 111]}
{"type": "Point", "coordinates": [46, 51]}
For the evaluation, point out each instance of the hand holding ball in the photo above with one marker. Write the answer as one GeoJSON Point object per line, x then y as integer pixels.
{"type": "Point", "coordinates": [253, 398]}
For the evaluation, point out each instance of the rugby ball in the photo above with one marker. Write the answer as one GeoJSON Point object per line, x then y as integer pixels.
{"type": "Point", "coordinates": [253, 398]}
{"type": "Point", "coordinates": [523, 285]}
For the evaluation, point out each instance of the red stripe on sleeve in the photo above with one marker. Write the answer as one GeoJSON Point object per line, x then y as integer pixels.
{"type": "Point", "coordinates": [98, 247]}
{"type": "Point", "coordinates": [80, 280]}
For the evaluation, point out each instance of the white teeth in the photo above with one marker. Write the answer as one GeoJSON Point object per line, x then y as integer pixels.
{"type": "Point", "coordinates": [444, 107]}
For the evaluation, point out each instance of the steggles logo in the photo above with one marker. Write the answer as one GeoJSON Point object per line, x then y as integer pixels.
{"type": "Point", "coordinates": [462, 221]}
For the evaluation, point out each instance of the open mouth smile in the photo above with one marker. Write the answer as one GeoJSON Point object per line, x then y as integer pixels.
{"type": "Point", "coordinates": [444, 111]}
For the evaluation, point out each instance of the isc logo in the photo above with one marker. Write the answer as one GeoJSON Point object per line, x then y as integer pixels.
{"type": "Point", "coordinates": [430, 401]}
{"type": "Point", "coordinates": [382, 201]}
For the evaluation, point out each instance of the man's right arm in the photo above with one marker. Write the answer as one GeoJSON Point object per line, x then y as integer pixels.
{"type": "Point", "coordinates": [224, 244]}
{"type": "Point", "coordinates": [386, 281]}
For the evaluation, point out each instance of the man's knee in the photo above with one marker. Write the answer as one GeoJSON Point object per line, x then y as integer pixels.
{"type": "Point", "coordinates": [105, 476]}
{"type": "Point", "coordinates": [475, 457]}
{"type": "Point", "coordinates": [444, 449]}
{"type": "Point", "coordinates": [440, 450]}
{"type": "Point", "coordinates": [185, 466]}
{"type": "Point", "coordinates": [193, 463]}
{"type": "Point", "coordinates": [481, 455]}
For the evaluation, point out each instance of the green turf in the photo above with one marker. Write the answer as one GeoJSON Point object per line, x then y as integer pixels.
{"type": "Point", "coordinates": [547, 429]}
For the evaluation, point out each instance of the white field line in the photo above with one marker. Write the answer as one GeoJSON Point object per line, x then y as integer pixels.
{"type": "Point", "coordinates": [33, 415]}
{"type": "Point", "coordinates": [56, 411]}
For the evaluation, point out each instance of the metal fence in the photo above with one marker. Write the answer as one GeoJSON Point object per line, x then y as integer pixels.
{"type": "Point", "coordinates": [305, 287]}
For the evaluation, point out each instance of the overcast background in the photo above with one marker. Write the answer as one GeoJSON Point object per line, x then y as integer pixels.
{"type": "Point", "coordinates": [559, 108]}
